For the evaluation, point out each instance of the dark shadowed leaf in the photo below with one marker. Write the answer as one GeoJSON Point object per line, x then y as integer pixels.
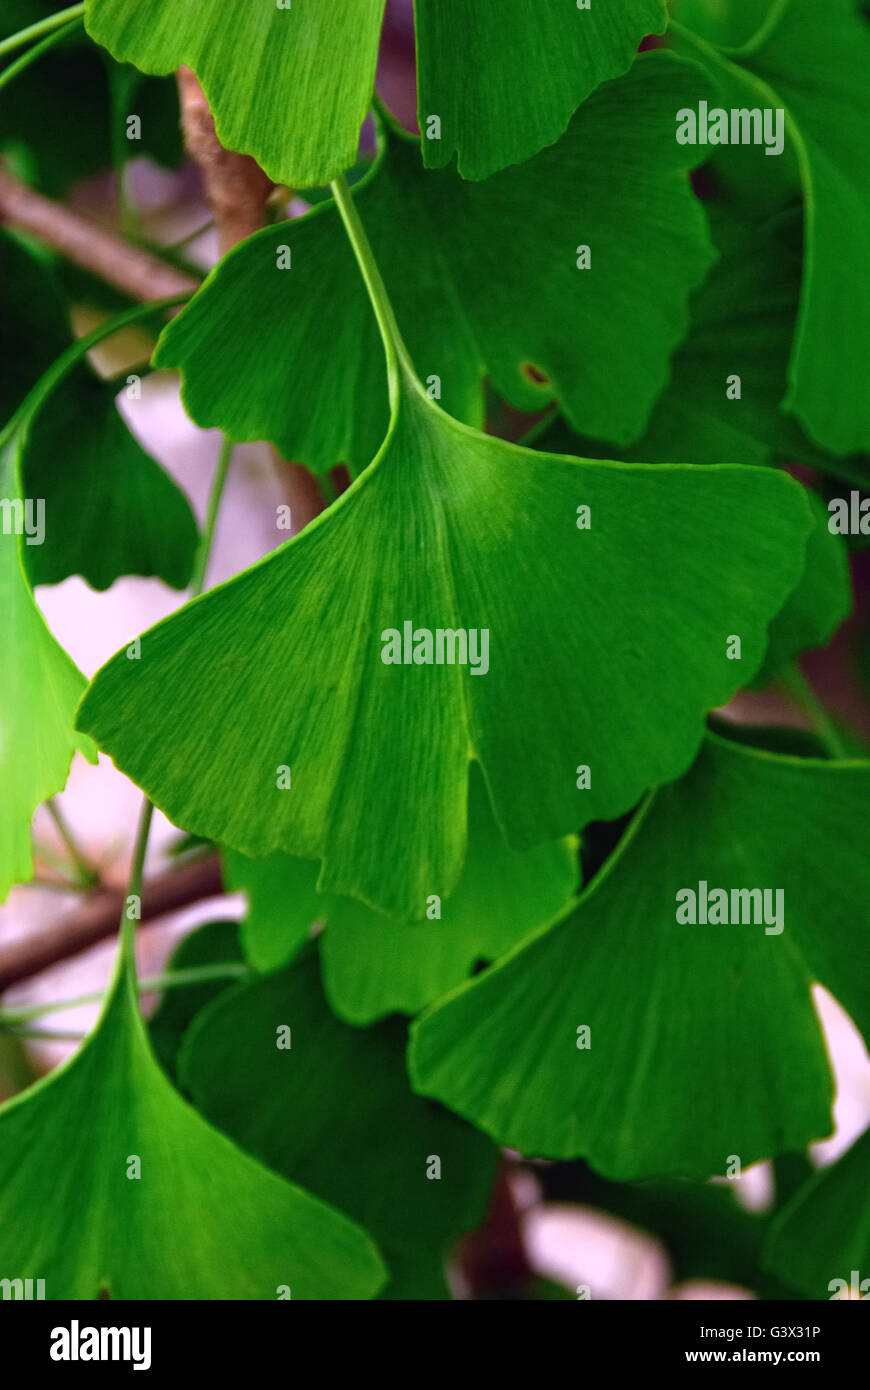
{"type": "Point", "coordinates": [332, 1110]}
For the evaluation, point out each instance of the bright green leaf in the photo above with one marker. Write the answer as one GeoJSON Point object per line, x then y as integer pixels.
{"type": "Point", "coordinates": [476, 289]}
{"type": "Point", "coordinates": [39, 685]}
{"type": "Point", "coordinates": [283, 667]}
{"type": "Point", "coordinates": [203, 1220]}
{"type": "Point", "coordinates": [704, 1042]}
{"type": "Point", "coordinates": [373, 966]}
{"type": "Point", "coordinates": [289, 85]}
{"type": "Point", "coordinates": [283, 904]}
{"type": "Point", "coordinates": [332, 1110]}
{"type": "Point", "coordinates": [504, 80]}
{"type": "Point", "coordinates": [728, 380]}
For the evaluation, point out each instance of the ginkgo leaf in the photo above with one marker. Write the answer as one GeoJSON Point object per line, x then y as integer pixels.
{"type": "Point", "coordinates": [820, 1242]}
{"type": "Point", "coordinates": [283, 904]}
{"type": "Point", "coordinates": [39, 687]}
{"type": "Point", "coordinates": [373, 966]}
{"type": "Point", "coordinates": [722, 1011]}
{"type": "Point", "coordinates": [423, 1176]}
{"type": "Point", "coordinates": [54, 119]}
{"type": "Point", "coordinates": [812, 62]}
{"type": "Point", "coordinates": [214, 944]}
{"type": "Point", "coordinates": [288, 84]}
{"type": "Point", "coordinates": [818, 605]}
{"type": "Point", "coordinates": [294, 709]}
{"type": "Point", "coordinates": [62, 118]}
{"type": "Point", "coordinates": [174, 1210]}
{"type": "Point", "coordinates": [498, 82]}
{"type": "Point", "coordinates": [729, 378]}
{"type": "Point", "coordinates": [477, 289]}
{"type": "Point", "coordinates": [110, 509]}
{"type": "Point", "coordinates": [33, 325]}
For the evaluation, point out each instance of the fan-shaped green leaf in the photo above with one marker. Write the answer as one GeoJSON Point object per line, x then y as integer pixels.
{"type": "Point", "coordinates": [477, 289]}
{"type": "Point", "coordinates": [294, 708]}
{"type": "Point", "coordinates": [504, 80]}
{"type": "Point", "coordinates": [289, 85]}
{"type": "Point", "coordinates": [196, 1218]}
{"type": "Point", "coordinates": [283, 904]}
{"type": "Point", "coordinates": [39, 688]}
{"type": "Point", "coordinates": [110, 509]}
{"type": "Point", "coordinates": [720, 1012]}
{"type": "Point", "coordinates": [728, 380]}
{"type": "Point", "coordinates": [33, 325]}
{"type": "Point", "coordinates": [373, 966]}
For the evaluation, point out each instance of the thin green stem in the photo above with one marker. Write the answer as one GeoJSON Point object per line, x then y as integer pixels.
{"type": "Point", "coordinates": [134, 887]}
{"type": "Point", "coordinates": [153, 984]}
{"type": "Point", "coordinates": [86, 872]}
{"type": "Point", "coordinates": [126, 204]}
{"type": "Point", "coordinates": [45, 854]}
{"type": "Point", "coordinates": [64, 364]}
{"type": "Point", "coordinates": [37, 51]}
{"type": "Point", "coordinates": [127, 928]}
{"type": "Point", "coordinates": [46, 1035]}
{"type": "Point", "coordinates": [214, 501]}
{"type": "Point", "coordinates": [42, 26]}
{"type": "Point", "coordinates": [803, 694]}
{"type": "Point", "coordinates": [188, 237]}
{"type": "Point", "coordinates": [56, 885]}
{"type": "Point", "coordinates": [397, 353]}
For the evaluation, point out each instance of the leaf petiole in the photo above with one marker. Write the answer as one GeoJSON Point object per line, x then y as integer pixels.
{"type": "Point", "coordinates": [397, 353]}
{"type": "Point", "coordinates": [87, 875]}
{"type": "Point", "coordinates": [802, 693]}
{"type": "Point", "coordinates": [214, 501]}
{"type": "Point", "coordinates": [63, 365]}
{"type": "Point", "coordinates": [153, 984]}
{"type": "Point", "coordinates": [25, 60]}
{"type": "Point", "coordinates": [42, 26]}
{"type": "Point", "coordinates": [46, 1035]}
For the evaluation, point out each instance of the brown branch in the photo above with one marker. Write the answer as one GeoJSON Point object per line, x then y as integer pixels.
{"type": "Point", "coordinates": [235, 185]}
{"type": "Point", "coordinates": [92, 247]}
{"type": "Point", "coordinates": [237, 191]}
{"type": "Point", "coordinates": [98, 915]}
